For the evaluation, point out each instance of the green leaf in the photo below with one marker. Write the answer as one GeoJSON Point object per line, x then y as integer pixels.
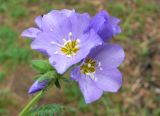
{"type": "Point", "coordinates": [42, 66]}
{"type": "Point", "coordinates": [57, 84]}
{"type": "Point", "coordinates": [47, 110]}
{"type": "Point", "coordinates": [47, 76]}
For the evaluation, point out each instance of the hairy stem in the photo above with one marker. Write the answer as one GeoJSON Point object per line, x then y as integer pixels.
{"type": "Point", "coordinates": [31, 103]}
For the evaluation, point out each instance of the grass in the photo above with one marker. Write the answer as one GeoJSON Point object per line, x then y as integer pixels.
{"type": "Point", "coordinates": [19, 12]}
{"type": "Point", "coordinates": [11, 53]}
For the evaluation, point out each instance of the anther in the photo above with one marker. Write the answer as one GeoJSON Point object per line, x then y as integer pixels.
{"type": "Point", "coordinates": [57, 44]}
{"type": "Point", "coordinates": [70, 34]}
{"type": "Point", "coordinates": [78, 40]}
{"type": "Point", "coordinates": [56, 52]}
{"type": "Point", "coordinates": [89, 65]}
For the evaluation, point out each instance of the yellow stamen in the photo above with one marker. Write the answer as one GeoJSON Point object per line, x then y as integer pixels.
{"type": "Point", "coordinates": [70, 48]}
{"type": "Point", "coordinates": [88, 67]}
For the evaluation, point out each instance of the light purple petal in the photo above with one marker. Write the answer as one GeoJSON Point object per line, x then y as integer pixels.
{"type": "Point", "coordinates": [110, 55]}
{"type": "Point", "coordinates": [115, 25]}
{"type": "Point", "coordinates": [39, 22]}
{"type": "Point", "coordinates": [90, 40]}
{"type": "Point", "coordinates": [31, 33]}
{"type": "Point", "coordinates": [67, 12]}
{"type": "Point", "coordinates": [51, 19]}
{"type": "Point", "coordinates": [37, 86]}
{"type": "Point", "coordinates": [75, 73]}
{"type": "Point", "coordinates": [48, 21]}
{"type": "Point", "coordinates": [79, 23]}
{"type": "Point", "coordinates": [109, 80]}
{"type": "Point", "coordinates": [98, 21]}
{"type": "Point", "coordinates": [114, 20]}
{"type": "Point", "coordinates": [60, 62]}
{"type": "Point", "coordinates": [56, 21]}
{"type": "Point", "coordinates": [89, 89]}
{"type": "Point", "coordinates": [43, 42]}
{"type": "Point", "coordinates": [110, 28]}
{"type": "Point", "coordinates": [106, 26]}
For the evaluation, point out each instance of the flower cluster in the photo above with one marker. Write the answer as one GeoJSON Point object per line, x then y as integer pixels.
{"type": "Point", "coordinates": [68, 38]}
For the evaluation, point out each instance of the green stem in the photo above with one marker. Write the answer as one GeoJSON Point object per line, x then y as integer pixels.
{"type": "Point", "coordinates": [31, 103]}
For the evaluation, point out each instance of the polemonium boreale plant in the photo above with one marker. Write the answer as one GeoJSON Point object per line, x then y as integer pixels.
{"type": "Point", "coordinates": [75, 43]}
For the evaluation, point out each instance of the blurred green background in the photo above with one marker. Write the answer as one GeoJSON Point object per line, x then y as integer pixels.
{"type": "Point", "coordinates": [140, 93]}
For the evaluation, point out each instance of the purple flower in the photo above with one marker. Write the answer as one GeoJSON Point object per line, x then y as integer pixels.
{"type": "Point", "coordinates": [63, 38]}
{"type": "Point", "coordinates": [37, 86]}
{"type": "Point", "coordinates": [99, 72]}
{"type": "Point", "coordinates": [106, 26]}
{"type": "Point", "coordinates": [43, 22]}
